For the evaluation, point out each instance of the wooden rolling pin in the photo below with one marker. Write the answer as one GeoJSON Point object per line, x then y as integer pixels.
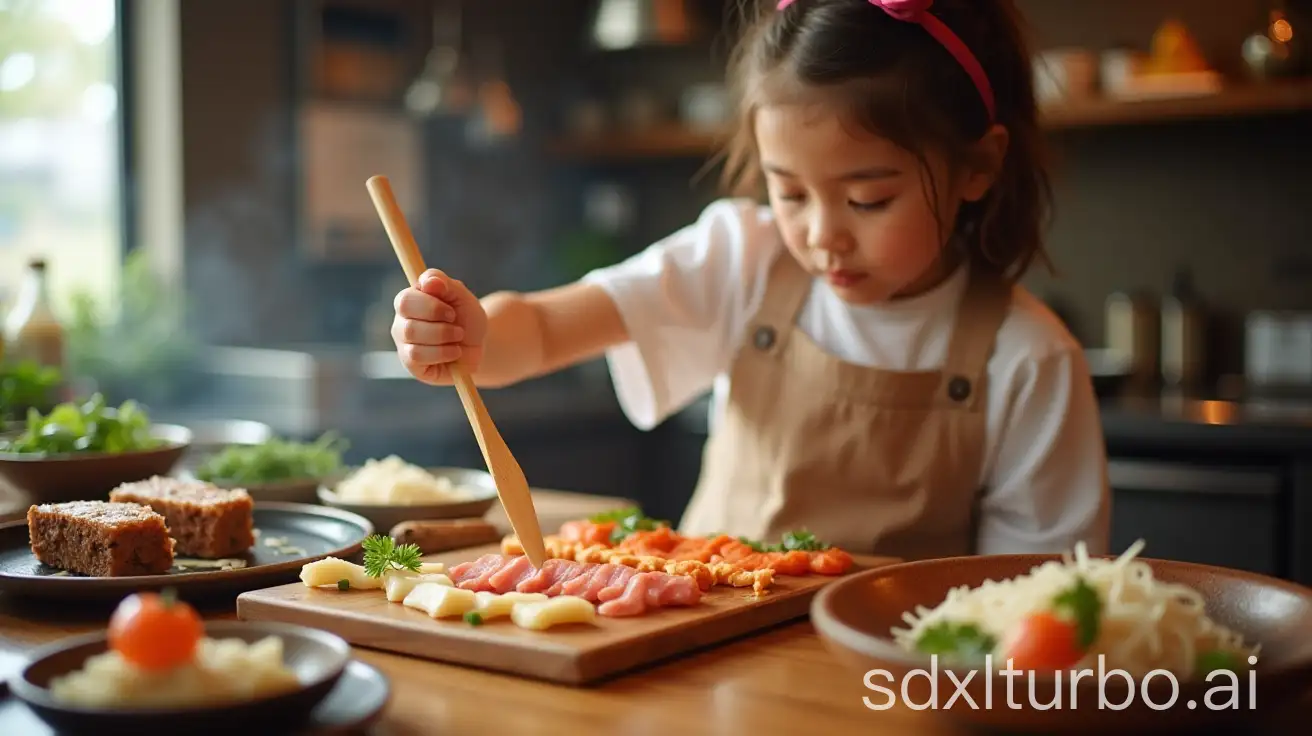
{"type": "Point", "coordinates": [443, 535]}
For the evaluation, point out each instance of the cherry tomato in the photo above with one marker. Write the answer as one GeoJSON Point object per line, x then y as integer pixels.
{"type": "Point", "coordinates": [155, 631]}
{"type": "Point", "coordinates": [1043, 642]}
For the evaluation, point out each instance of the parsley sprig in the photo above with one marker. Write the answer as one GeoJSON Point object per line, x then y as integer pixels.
{"type": "Point", "coordinates": [948, 639]}
{"type": "Point", "coordinates": [627, 521]}
{"type": "Point", "coordinates": [798, 540]}
{"type": "Point", "coordinates": [381, 553]}
{"type": "Point", "coordinates": [1082, 604]}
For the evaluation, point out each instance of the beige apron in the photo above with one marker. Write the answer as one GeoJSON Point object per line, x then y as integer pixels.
{"type": "Point", "coordinates": [870, 460]}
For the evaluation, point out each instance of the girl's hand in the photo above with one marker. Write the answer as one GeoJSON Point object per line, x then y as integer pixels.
{"type": "Point", "coordinates": [438, 323]}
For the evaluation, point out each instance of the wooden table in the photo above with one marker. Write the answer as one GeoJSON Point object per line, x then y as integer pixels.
{"type": "Point", "coordinates": [778, 681]}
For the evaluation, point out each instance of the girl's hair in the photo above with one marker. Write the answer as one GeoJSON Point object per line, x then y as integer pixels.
{"type": "Point", "coordinates": [898, 82]}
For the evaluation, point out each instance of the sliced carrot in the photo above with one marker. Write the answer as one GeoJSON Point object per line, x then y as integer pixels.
{"type": "Point", "coordinates": [832, 561]}
{"type": "Point", "coordinates": [796, 562]}
{"type": "Point", "coordinates": [586, 532]}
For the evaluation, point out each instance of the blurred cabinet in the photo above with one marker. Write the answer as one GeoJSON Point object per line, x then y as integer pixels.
{"type": "Point", "coordinates": [1205, 513]}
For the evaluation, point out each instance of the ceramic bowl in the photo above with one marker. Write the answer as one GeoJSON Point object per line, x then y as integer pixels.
{"type": "Point", "coordinates": [317, 657]}
{"type": "Point", "coordinates": [212, 436]}
{"type": "Point", "coordinates": [386, 516]}
{"type": "Point", "coordinates": [91, 476]}
{"type": "Point", "coordinates": [293, 490]}
{"type": "Point", "coordinates": [855, 616]}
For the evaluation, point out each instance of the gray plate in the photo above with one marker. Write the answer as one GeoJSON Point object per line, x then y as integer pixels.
{"type": "Point", "coordinates": [337, 692]}
{"type": "Point", "coordinates": [319, 531]}
{"type": "Point", "coordinates": [358, 699]}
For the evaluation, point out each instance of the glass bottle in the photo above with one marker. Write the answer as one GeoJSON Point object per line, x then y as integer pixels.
{"type": "Point", "coordinates": [32, 331]}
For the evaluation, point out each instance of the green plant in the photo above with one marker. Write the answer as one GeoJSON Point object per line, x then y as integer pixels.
{"type": "Point", "coordinates": [91, 426]}
{"type": "Point", "coordinates": [274, 460]}
{"type": "Point", "coordinates": [26, 385]}
{"type": "Point", "coordinates": [140, 350]}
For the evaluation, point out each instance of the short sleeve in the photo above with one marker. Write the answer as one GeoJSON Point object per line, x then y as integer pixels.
{"type": "Point", "coordinates": [684, 301]}
{"type": "Point", "coordinates": [1049, 487]}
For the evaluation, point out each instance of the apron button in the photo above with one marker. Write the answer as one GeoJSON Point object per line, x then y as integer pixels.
{"type": "Point", "coordinates": [959, 389]}
{"type": "Point", "coordinates": [764, 338]}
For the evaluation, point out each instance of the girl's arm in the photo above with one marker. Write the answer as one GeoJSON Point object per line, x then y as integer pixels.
{"type": "Point", "coordinates": [530, 335]}
{"type": "Point", "coordinates": [1048, 488]}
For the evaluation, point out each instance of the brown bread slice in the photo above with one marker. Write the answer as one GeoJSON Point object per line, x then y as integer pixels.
{"type": "Point", "coordinates": [207, 521]}
{"type": "Point", "coordinates": [100, 538]}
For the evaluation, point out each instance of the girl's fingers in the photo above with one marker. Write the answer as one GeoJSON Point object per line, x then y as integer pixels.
{"type": "Point", "coordinates": [427, 355]}
{"type": "Point", "coordinates": [413, 304]}
{"type": "Point", "coordinates": [433, 282]}
{"type": "Point", "coordinates": [415, 332]}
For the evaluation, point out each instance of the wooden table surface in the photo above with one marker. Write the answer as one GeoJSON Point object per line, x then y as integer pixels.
{"type": "Point", "coordinates": [781, 680]}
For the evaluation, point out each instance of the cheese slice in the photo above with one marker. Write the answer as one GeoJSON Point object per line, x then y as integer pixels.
{"type": "Point", "coordinates": [440, 601]}
{"type": "Point", "coordinates": [400, 586]}
{"type": "Point", "coordinates": [564, 609]}
{"type": "Point", "coordinates": [491, 605]}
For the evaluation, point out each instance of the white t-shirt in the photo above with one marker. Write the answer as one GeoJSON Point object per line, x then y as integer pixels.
{"type": "Point", "coordinates": [687, 299]}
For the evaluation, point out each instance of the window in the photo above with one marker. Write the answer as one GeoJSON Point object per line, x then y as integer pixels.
{"type": "Point", "coordinates": [60, 163]}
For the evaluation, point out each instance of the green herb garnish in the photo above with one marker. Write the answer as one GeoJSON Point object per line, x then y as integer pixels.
{"type": "Point", "coordinates": [802, 540]}
{"type": "Point", "coordinates": [1212, 660]}
{"type": "Point", "coordinates": [966, 641]}
{"type": "Point", "coordinates": [89, 427]}
{"type": "Point", "coordinates": [1082, 604]}
{"type": "Point", "coordinates": [343, 584]}
{"type": "Point", "coordinates": [627, 521]}
{"type": "Point", "coordinates": [273, 461]}
{"type": "Point", "coordinates": [473, 618]}
{"type": "Point", "coordinates": [616, 515]}
{"type": "Point", "coordinates": [798, 540]}
{"type": "Point", "coordinates": [381, 553]}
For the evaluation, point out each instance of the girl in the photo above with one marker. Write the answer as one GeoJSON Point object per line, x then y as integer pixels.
{"type": "Point", "coordinates": [878, 376]}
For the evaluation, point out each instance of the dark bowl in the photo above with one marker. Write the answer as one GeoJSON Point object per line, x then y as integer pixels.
{"type": "Point", "coordinates": [317, 657]}
{"type": "Point", "coordinates": [291, 490]}
{"type": "Point", "coordinates": [91, 476]}
{"type": "Point", "coordinates": [855, 617]}
{"type": "Point", "coordinates": [211, 436]}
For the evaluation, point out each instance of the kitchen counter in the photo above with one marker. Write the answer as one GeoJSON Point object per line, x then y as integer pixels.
{"type": "Point", "coordinates": [781, 680]}
{"type": "Point", "coordinates": [1268, 425]}
{"type": "Point", "coordinates": [1259, 426]}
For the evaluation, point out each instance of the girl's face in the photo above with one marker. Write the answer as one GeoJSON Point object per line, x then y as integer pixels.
{"type": "Point", "coordinates": [854, 208]}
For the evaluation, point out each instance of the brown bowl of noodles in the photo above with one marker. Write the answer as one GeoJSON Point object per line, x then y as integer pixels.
{"type": "Point", "coordinates": [1158, 645]}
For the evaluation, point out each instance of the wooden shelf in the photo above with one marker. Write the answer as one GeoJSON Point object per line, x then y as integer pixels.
{"type": "Point", "coordinates": [662, 142]}
{"type": "Point", "coordinates": [1234, 102]}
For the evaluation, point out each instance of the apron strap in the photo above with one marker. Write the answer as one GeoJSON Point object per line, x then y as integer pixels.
{"type": "Point", "coordinates": [983, 308]}
{"type": "Point", "coordinates": [786, 288]}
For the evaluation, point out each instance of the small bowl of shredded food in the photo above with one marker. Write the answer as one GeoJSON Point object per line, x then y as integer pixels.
{"type": "Point", "coordinates": [390, 491]}
{"type": "Point", "coordinates": [1071, 643]}
{"type": "Point", "coordinates": [83, 450]}
{"type": "Point", "coordinates": [276, 469]}
{"type": "Point", "coordinates": [158, 665]}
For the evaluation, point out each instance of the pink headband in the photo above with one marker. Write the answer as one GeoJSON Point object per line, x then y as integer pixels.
{"type": "Point", "coordinates": [917, 11]}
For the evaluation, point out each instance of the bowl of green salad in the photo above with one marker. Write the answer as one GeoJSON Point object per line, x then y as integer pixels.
{"type": "Point", "coordinates": [277, 469]}
{"type": "Point", "coordinates": [80, 451]}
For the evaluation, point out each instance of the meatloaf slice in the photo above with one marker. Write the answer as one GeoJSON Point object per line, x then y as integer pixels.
{"type": "Point", "coordinates": [207, 521]}
{"type": "Point", "coordinates": [100, 538]}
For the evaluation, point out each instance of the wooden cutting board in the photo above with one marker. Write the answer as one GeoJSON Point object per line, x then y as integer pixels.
{"type": "Point", "coordinates": [573, 654]}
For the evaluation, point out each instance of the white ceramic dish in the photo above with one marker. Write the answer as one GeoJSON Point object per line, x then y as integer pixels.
{"type": "Point", "coordinates": [385, 516]}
